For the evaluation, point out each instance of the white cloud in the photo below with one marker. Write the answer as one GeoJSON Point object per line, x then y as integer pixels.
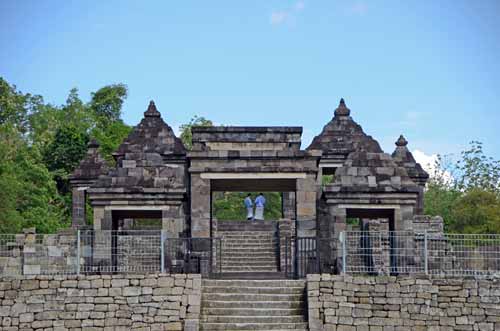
{"type": "Point", "coordinates": [281, 16]}
{"type": "Point", "coordinates": [428, 162]}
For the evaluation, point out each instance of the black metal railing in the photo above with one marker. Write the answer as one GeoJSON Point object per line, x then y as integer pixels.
{"type": "Point", "coordinates": [309, 255]}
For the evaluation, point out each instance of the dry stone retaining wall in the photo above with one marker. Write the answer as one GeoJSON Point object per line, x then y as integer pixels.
{"type": "Point", "coordinates": [104, 302]}
{"type": "Point", "coordinates": [346, 303]}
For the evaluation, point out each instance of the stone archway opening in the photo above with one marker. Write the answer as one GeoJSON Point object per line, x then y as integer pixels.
{"type": "Point", "coordinates": [279, 194]}
{"type": "Point", "coordinates": [137, 220]}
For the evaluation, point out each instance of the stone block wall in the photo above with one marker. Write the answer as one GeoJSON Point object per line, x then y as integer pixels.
{"type": "Point", "coordinates": [346, 303]}
{"type": "Point", "coordinates": [33, 254]}
{"type": "Point", "coordinates": [140, 302]}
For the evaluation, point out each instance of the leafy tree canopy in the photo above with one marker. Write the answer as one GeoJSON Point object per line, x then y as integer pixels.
{"type": "Point", "coordinates": [187, 135]}
{"type": "Point", "coordinates": [42, 144]}
{"type": "Point", "coordinates": [466, 193]}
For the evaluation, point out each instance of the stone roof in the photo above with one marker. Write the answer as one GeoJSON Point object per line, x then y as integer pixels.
{"type": "Point", "coordinates": [92, 166]}
{"type": "Point", "coordinates": [152, 135]}
{"type": "Point", "coordinates": [404, 158]}
{"type": "Point", "coordinates": [144, 159]}
{"type": "Point", "coordinates": [371, 172]}
{"type": "Point", "coordinates": [342, 135]}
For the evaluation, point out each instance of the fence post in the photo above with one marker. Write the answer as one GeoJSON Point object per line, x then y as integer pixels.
{"type": "Point", "coordinates": [78, 259]}
{"type": "Point", "coordinates": [344, 253]}
{"type": "Point", "coordinates": [426, 257]}
{"type": "Point", "coordinates": [162, 251]}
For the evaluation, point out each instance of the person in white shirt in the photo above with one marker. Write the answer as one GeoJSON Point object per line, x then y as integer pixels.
{"type": "Point", "coordinates": [249, 206]}
{"type": "Point", "coordinates": [260, 203]}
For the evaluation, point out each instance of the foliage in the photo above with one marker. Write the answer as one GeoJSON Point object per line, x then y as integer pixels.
{"type": "Point", "coordinates": [466, 193]}
{"type": "Point", "coordinates": [110, 138]}
{"type": "Point", "coordinates": [229, 205]}
{"type": "Point", "coordinates": [27, 191]}
{"type": "Point", "coordinates": [106, 103]}
{"type": "Point", "coordinates": [477, 171]}
{"type": "Point", "coordinates": [14, 106]}
{"type": "Point", "coordinates": [41, 146]}
{"type": "Point", "coordinates": [327, 179]}
{"type": "Point", "coordinates": [186, 134]}
{"type": "Point", "coordinates": [64, 153]}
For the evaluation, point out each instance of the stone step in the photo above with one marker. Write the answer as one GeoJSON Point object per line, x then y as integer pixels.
{"type": "Point", "coordinates": [250, 269]}
{"type": "Point", "coordinates": [243, 275]}
{"type": "Point", "coordinates": [214, 304]}
{"type": "Point", "coordinates": [250, 263]}
{"type": "Point", "coordinates": [243, 253]}
{"type": "Point", "coordinates": [246, 234]}
{"type": "Point", "coordinates": [253, 326]}
{"type": "Point", "coordinates": [248, 241]}
{"type": "Point", "coordinates": [255, 283]}
{"type": "Point", "coordinates": [256, 248]}
{"type": "Point", "coordinates": [252, 311]}
{"type": "Point", "coordinates": [251, 297]}
{"type": "Point", "coordinates": [254, 290]}
{"type": "Point", "coordinates": [245, 226]}
{"type": "Point", "coordinates": [252, 319]}
{"type": "Point", "coordinates": [260, 257]}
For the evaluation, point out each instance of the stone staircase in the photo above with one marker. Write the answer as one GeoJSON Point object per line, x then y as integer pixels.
{"type": "Point", "coordinates": [253, 305]}
{"type": "Point", "coordinates": [248, 247]}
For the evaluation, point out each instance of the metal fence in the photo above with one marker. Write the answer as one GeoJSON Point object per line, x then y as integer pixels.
{"type": "Point", "coordinates": [310, 255]}
{"type": "Point", "coordinates": [103, 252]}
{"type": "Point", "coordinates": [443, 254]}
{"type": "Point", "coordinates": [355, 252]}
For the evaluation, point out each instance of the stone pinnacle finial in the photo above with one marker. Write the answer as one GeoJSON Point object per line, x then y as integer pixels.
{"type": "Point", "coordinates": [401, 142]}
{"type": "Point", "coordinates": [152, 111]}
{"type": "Point", "coordinates": [342, 110]}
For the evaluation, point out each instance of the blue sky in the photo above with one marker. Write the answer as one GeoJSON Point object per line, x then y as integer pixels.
{"type": "Point", "coordinates": [427, 69]}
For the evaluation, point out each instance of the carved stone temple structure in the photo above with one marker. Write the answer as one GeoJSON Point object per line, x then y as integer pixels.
{"type": "Point", "coordinates": [343, 175]}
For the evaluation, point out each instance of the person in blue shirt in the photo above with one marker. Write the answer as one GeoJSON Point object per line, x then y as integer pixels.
{"type": "Point", "coordinates": [260, 203]}
{"type": "Point", "coordinates": [249, 206]}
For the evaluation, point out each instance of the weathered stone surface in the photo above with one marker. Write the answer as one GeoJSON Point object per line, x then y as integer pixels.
{"type": "Point", "coordinates": [401, 303]}
{"type": "Point", "coordinates": [70, 302]}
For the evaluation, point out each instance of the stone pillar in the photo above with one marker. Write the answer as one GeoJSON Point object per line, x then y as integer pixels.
{"type": "Point", "coordinates": [419, 210]}
{"type": "Point", "coordinates": [377, 253]}
{"type": "Point", "coordinates": [78, 201]}
{"type": "Point", "coordinates": [31, 263]}
{"type": "Point", "coordinates": [288, 200]}
{"type": "Point", "coordinates": [306, 206]}
{"type": "Point", "coordinates": [200, 207]}
{"type": "Point", "coordinates": [98, 217]}
{"type": "Point", "coordinates": [286, 236]}
{"type": "Point", "coordinates": [173, 220]}
{"type": "Point", "coordinates": [338, 225]}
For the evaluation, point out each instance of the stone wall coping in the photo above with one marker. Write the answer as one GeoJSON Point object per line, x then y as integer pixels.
{"type": "Point", "coordinates": [247, 129]}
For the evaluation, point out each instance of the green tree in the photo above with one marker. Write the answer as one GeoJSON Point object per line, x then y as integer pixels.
{"type": "Point", "coordinates": [477, 211]}
{"type": "Point", "coordinates": [477, 171]}
{"type": "Point", "coordinates": [466, 193]}
{"type": "Point", "coordinates": [106, 103]}
{"type": "Point", "coordinates": [110, 138]}
{"type": "Point", "coordinates": [187, 135]}
{"type": "Point", "coordinates": [229, 206]}
{"type": "Point", "coordinates": [15, 106]}
{"type": "Point", "coordinates": [42, 144]}
{"type": "Point", "coordinates": [64, 153]}
{"type": "Point", "coordinates": [27, 191]}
